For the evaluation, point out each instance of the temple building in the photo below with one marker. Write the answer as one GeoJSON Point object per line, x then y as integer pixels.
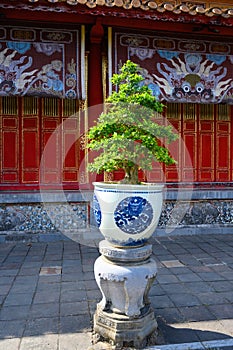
{"type": "Point", "coordinates": [57, 58]}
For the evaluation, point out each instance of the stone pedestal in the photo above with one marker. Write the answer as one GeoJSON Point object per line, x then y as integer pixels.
{"type": "Point", "coordinates": [124, 276]}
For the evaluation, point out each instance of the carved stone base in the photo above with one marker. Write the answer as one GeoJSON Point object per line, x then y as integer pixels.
{"type": "Point", "coordinates": [123, 331]}
{"type": "Point", "coordinates": [124, 276]}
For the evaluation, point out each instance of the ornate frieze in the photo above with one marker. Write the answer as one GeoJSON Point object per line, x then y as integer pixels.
{"type": "Point", "coordinates": [180, 70]}
{"type": "Point", "coordinates": [39, 62]}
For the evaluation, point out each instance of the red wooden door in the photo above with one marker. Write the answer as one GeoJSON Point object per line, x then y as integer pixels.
{"type": "Point", "coordinates": [28, 125]}
{"type": "Point", "coordinates": [204, 150]}
{"type": "Point", "coordinates": [10, 131]}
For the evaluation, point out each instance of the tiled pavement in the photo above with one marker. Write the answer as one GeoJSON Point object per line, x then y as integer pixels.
{"type": "Point", "coordinates": [48, 293]}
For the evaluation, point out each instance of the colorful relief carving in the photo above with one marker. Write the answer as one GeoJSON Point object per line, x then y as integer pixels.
{"type": "Point", "coordinates": [40, 68]}
{"type": "Point", "coordinates": [181, 70]}
{"type": "Point", "coordinates": [193, 78]}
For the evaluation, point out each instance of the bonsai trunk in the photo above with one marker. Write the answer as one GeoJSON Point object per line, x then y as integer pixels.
{"type": "Point", "coordinates": [131, 175]}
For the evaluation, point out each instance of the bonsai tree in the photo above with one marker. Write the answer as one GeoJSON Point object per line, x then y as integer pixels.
{"type": "Point", "coordinates": [127, 133]}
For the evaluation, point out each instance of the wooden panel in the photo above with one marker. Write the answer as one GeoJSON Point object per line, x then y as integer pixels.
{"type": "Point", "coordinates": [189, 157]}
{"type": "Point", "coordinates": [10, 150]}
{"type": "Point", "coordinates": [50, 106]}
{"type": "Point", "coordinates": [30, 105]}
{"type": "Point", "coordinates": [70, 155]}
{"type": "Point", "coordinates": [30, 160]}
{"type": "Point", "coordinates": [223, 161]}
{"type": "Point", "coordinates": [51, 141]}
{"type": "Point", "coordinates": [9, 105]}
{"type": "Point", "coordinates": [30, 149]}
{"type": "Point", "coordinates": [70, 176]}
{"type": "Point", "coordinates": [71, 151]}
{"type": "Point", "coordinates": [157, 174]}
{"type": "Point", "coordinates": [173, 171]}
{"type": "Point", "coordinates": [206, 156]}
{"type": "Point", "coordinates": [189, 144]}
{"type": "Point", "coordinates": [51, 154]}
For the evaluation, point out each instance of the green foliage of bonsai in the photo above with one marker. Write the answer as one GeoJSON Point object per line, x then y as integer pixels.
{"type": "Point", "coordinates": [127, 132]}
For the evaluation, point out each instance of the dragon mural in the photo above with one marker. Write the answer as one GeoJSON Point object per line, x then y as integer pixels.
{"type": "Point", "coordinates": [180, 70]}
{"type": "Point", "coordinates": [16, 79]}
{"type": "Point", "coordinates": [192, 78]}
{"type": "Point", "coordinates": [38, 68]}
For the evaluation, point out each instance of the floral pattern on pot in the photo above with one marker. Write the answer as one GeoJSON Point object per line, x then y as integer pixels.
{"type": "Point", "coordinates": [97, 211]}
{"type": "Point", "coordinates": [133, 215]}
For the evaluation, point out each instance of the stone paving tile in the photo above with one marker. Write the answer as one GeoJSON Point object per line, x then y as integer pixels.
{"type": "Point", "coordinates": [212, 298]}
{"type": "Point", "coordinates": [180, 270]}
{"type": "Point", "coordinates": [228, 326]}
{"type": "Point", "coordinates": [210, 276]}
{"type": "Point", "coordinates": [12, 329]}
{"type": "Point", "coordinates": [42, 342]}
{"type": "Point", "coordinates": [228, 296]}
{"type": "Point", "coordinates": [169, 315]}
{"type": "Point", "coordinates": [169, 278]}
{"type": "Point", "coordinates": [2, 298]}
{"type": "Point", "coordinates": [46, 296]}
{"type": "Point", "coordinates": [22, 288]}
{"type": "Point", "coordinates": [72, 277]}
{"type": "Point", "coordinates": [221, 311]}
{"type": "Point", "coordinates": [175, 288]}
{"type": "Point", "coordinates": [184, 299]}
{"type": "Point", "coordinates": [76, 341]}
{"type": "Point", "coordinates": [77, 285]}
{"type": "Point", "coordinates": [10, 344]}
{"type": "Point", "coordinates": [163, 270]}
{"type": "Point", "coordinates": [94, 295]}
{"type": "Point", "coordinates": [49, 279]}
{"type": "Point", "coordinates": [161, 301]}
{"type": "Point", "coordinates": [208, 330]}
{"type": "Point", "coordinates": [174, 335]}
{"type": "Point", "coordinates": [40, 326]}
{"type": "Point", "coordinates": [189, 260]}
{"type": "Point", "coordinates": [222, 286]}
{"type": "Point", "coordinates": [227, 275]}
{"type": "Point", "coordinates": [48, 287]}
{"type": "Point", "coordinates": [44, 310]}
{"type": "Point", "coordinates": [6, 273]}
{"type": "Point", "coordinates": [4, 289]}
{"type": "Point", "coordinates": [6, 280]}
{"type": "Point", "coordinates": [12, 313]}
{"type": "Point", "coordinates": [26, 279]}
{"type": "Point", "coordinates": [73, 295]}
{"type": "Point", "coordinates": [196, 313]}
{"type": "Point", "coordinates": [75, 324]}
{"type": "Point", "coordinates": [192, 295]}
{"type": "Point", "coordinates": [74, 308]}
{"type": "Point", "coordinates": [199, 287]}
{"type": "Point", "coordinates": [19, 299]}
{"type": "Point", "coordinates": [156, 289]}
{"type": "Point", "coordinates": [191, 277]}
{"type": "Point", "coordinates": [29, 271]}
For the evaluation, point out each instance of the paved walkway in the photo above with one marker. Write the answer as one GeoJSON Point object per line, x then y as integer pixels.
{"type": "Point", "coordinates": [48, 294]}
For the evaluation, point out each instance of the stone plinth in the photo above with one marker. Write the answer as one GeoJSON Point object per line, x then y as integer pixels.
{"type": "Point", "coordinates": [124, 276]}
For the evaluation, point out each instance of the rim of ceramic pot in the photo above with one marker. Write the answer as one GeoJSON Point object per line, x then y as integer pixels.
{"type": "Point", "coordinates": [144, 186]}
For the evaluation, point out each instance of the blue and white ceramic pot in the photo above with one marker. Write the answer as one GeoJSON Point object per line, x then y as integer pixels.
{"type": "Point", "coordinates": [127, 215]}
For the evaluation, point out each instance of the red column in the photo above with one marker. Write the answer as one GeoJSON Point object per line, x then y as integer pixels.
{"type": "Point", "coordinates": [95, 84]}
